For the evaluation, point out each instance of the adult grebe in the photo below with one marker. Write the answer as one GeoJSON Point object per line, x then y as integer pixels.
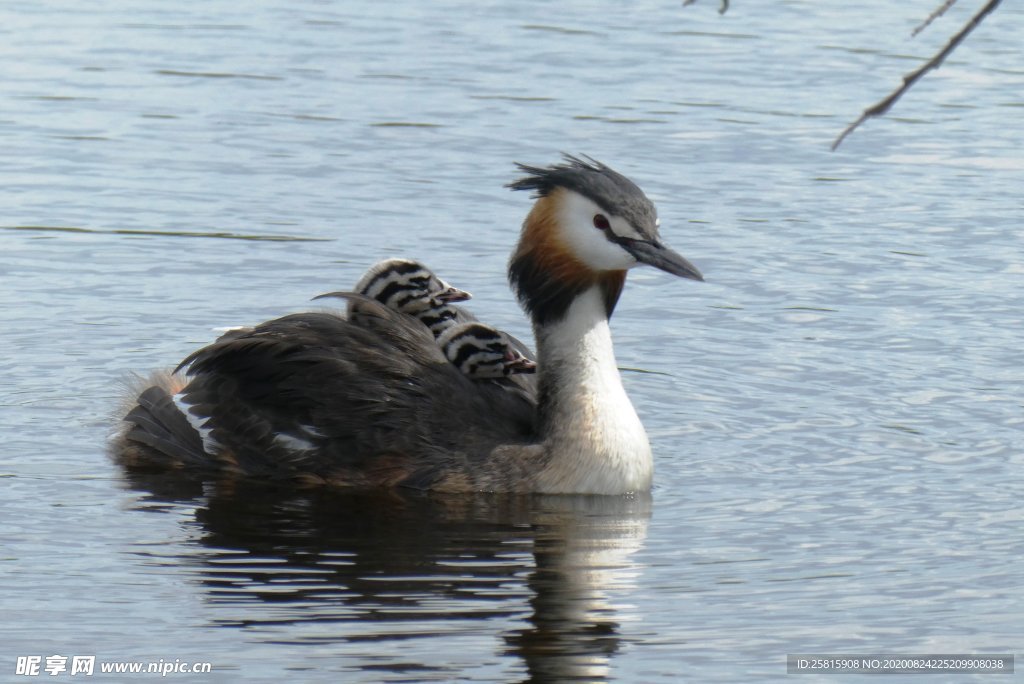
{"type": "Point", "coordinates": [316, 398]}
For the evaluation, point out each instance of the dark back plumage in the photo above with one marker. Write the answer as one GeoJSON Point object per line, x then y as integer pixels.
{"type": "Point", "coordinates": [314, 396]}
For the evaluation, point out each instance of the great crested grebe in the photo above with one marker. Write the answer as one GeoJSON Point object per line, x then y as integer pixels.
{"type": "Point", "coordinates": [316, 398]}
{"type": "Point", "coordinates": [411, 288]}
{"type": "Point", "coordinates": [483, 352]}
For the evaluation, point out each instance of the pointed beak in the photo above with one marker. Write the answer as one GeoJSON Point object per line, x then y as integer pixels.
{"type": "Point", "coordinates": [653, 253]}
{"type": "Point", "coordinates": [451, 295]}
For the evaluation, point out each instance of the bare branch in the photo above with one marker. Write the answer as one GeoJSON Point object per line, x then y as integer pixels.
{"type": "Point", "coordinates": [880, 108]}
{"type": "Point", "coordinates": [722, 9]}
{"type": "Point", "coordinates": [933, 16]}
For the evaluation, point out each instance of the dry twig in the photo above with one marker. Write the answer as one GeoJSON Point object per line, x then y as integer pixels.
{"type": "Point", "coordinates": [880, 108]}
{"type": "Point", "coordinates": [722, 9]}
{"type": "Point", "coordinates": [933, 16]}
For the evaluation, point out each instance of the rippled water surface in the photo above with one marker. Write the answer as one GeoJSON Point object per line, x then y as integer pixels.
{"type": "Point", "coordinates": [837, 414]}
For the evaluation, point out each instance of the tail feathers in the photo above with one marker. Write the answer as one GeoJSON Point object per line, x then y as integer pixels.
{"type": "Point", "coordinates": [158, 433]}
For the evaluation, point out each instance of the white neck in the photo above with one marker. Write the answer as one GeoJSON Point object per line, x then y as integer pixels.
{"type": "Point", "coordinates": [593, 439]}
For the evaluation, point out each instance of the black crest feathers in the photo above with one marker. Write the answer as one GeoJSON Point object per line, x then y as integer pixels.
{"type": "Point", "coordinates": [610, 190]}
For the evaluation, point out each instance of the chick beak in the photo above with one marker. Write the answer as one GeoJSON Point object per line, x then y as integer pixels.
{"type": "Point", "coordinates": [451, 295]}
{"type": "Point", "coordinates": [517, 363]}
{"type": "Point", "coordinates": [653, 253]}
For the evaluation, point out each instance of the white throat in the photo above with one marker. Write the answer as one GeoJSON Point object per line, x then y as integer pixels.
{"type": "Point", "coordinates": [594, 440]}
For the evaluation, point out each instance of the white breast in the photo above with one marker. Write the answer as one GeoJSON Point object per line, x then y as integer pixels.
{"type": "Point", "coordinates": [597, 443]}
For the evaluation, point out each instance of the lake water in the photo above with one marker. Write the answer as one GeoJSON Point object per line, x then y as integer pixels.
{"type": "Point", "coordinates": [837, 414]}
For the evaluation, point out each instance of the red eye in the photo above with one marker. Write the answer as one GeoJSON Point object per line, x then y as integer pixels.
{"type": "Point", "coordinates": [601, 222]}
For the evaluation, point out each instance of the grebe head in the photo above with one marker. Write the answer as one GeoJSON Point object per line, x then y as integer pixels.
{"type": "Point", "coordinates": [481, 352]}
{"type": "Point", "coordinates": [407, 286]}
{"type": "Point", "coordinates": [589, 225]}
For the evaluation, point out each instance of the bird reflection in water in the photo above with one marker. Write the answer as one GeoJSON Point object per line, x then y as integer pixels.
{"type": "Point", "coordinates": [370, 572]}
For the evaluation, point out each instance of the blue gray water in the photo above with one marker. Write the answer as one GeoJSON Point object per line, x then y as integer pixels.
{"type": "Point", "coordinates": [836, 413]}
